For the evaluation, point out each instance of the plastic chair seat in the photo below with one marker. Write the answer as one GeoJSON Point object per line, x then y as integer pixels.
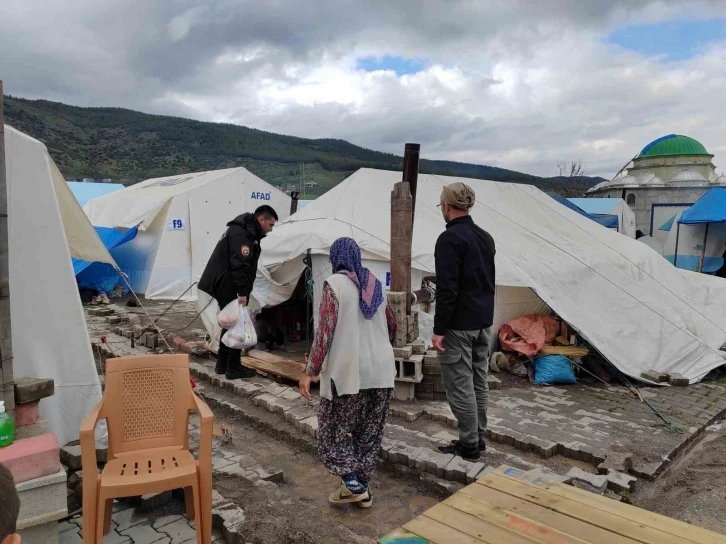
{"type": "Point", "coordinates": [165, 466]}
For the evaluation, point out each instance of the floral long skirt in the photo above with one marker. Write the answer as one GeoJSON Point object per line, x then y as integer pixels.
{"type": "Point", "coordinates": [350, 430]}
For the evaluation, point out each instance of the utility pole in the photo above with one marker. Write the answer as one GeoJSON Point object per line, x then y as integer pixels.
{"type": "Point", "coordinates": [7, 390]}
{"type": "Point", "coordinates": [402, 208]}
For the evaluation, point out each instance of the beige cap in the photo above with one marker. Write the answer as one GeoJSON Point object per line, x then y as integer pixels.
{"type": "Point", "coordinates": [458, 195]}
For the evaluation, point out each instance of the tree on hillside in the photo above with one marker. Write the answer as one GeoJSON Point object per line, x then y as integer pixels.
{"type": "Point", "coordinates": [570, 175]}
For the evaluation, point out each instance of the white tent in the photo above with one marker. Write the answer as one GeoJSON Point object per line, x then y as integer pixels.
{"type": "Point", "coordinates": [610, 206]}
{"type": "Point", "coordinates": [180, 220]}
{"type": "Point", "coordinates": [639, 311]}
{"type": "Point", "coordinates": [47, 228]}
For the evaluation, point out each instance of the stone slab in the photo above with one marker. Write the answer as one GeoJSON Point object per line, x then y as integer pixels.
{"type": "Point", "coordinates": [42, 500]}
{"type": "Point", "coordinates": [597, 482]}
{"type": "Point", "coordinates": [619, 481]}
{"type": "Point", "coordinates": [32, 458]}
{"type": "Point", "coordinates": [433, 462]}
{"type": "Point", "coordinates": [32, 389]}
{"type": "Point", "coordinates": [29, 431]}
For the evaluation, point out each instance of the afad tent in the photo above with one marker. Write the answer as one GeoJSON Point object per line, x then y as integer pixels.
{"type": "Point", "coordinates": [103, 276]}
{"type": "Point", "coordinates": [180, 219]}
{"type": "Point", "coordinates": [86, 190]}
{"type": "Point", "coordinates": [634, 307]}
{"type": "Point", "coordinates": [610, 206]}
{"type": "Point", "coordinates": [699, 232]}
{"type": "Point", "coordinates": [47, 229]}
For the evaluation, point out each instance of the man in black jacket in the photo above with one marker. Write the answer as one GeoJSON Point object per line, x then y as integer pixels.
{"type": "Point", "coordinates": [464, 314]}
{"type": "Point", "coordinates": [230, 274]}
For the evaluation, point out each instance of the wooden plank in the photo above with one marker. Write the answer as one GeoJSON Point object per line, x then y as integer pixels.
{"type": "Point", "coordinates": [685, 531]}
{"type": "Point", "coordinates": [546, 496]}
{"type": "Point", "coordinates": [272, 364]}
{"type": "Point", "coordinates": [535, 512]}
{"type": "Point", "coordinates": [495, 514]}
{"type": "Point", "coordinates": [475, 527]}
{"type": "Point", "coordinates": [401, 536]}
{"type": "Point", "coordinates": [438, 533]}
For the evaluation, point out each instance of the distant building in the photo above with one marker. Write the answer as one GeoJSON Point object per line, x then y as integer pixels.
{"type": "Point", "coordinates": [311, 184]}
{"type": "Point", "coordinates": [671, 172]}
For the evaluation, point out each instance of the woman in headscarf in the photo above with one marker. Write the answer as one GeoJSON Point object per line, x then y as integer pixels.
{"type": "Point", "coordinates": [353, 354]}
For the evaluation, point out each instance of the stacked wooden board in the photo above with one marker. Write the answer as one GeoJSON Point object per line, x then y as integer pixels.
{"type": "Point", "coordinates": [276, 366]}
{"type": "Point", "coordinates": [503, 507]}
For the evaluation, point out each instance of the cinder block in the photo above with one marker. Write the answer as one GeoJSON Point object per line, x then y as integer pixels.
{"type": "Point", "coordinates": [32, 389]}
{"type": "Point", "coordinates": [404, 353]}
{"type": "Point", "coordinates": [677, 380]}
{"type": "Point", "coordinates": [654, 376]}
{"type": "Point", "coordinates": [42, 499]}
{"type": "Point", "coordinates": [32, 458]}
{"type": "Point", "coordinates": [26, 414]}
{"type": "Point", "coordinates": [419, 347]}
{"type": "Point", "coordinates": [29, 431]}
{"type": "Point", "coordinates": [404, 390]}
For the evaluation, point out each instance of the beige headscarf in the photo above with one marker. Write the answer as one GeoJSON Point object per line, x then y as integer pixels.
{"type": "Point", "coordinates": [458, 195]}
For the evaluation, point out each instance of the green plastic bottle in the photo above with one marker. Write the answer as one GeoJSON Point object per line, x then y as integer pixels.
{"type": "Point", "coordinates": [7, 427]}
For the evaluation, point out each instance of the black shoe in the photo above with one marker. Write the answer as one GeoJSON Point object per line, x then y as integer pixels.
{"type": "Point", "coordinates": [221, 366]}
{"type": "Point", "coordinates": [472, 454]}
{"type": "Point", "coordinates": [240, 374]}
{"type": "Point", "coordinates": [482, 444]}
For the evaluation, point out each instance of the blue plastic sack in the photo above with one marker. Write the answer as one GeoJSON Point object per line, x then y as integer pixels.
{"type": "Point", "coordinates": [553, 369]}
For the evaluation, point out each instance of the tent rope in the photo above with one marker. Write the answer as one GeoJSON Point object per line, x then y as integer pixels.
{"type": "Point", "coordinates": [153, 323]}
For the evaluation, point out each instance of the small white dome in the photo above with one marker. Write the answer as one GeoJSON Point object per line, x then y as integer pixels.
{"type": "Point", "coordinates": [685, 175]}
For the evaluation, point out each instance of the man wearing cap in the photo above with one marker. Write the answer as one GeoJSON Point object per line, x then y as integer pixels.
{"type": "Point", "coordinates": [464, 314]}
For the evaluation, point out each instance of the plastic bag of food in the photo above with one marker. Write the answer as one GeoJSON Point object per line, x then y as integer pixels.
{"type": "Point", "coordinates": [243, 334]}
{"type": "Point", "coordinates": [229, 315]}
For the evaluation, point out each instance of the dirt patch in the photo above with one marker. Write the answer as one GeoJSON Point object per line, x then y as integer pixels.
{"type": "Point", "coordinates": [694, 489]}
{"type": "Point", "coordinates": [297, 510]}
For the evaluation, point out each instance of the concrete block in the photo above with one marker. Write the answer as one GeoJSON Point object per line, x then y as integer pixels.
{"type": "Point", "coordinates": [410, 370]}
{"type": "Point", "coordinates": [113, 320]}
{"type": "Point", "coordinates": [458, 469]}
{"type": "Point", "coordinates": [404, 390]}
{"type": "Point", "coordinates": [494, 382]}
{"type": "Point", "coordinates": [599, 483]}
{"type": "Point", "coordinates": [274, 389]}
{"type": "Point", "coordinates": [439, 485]}
{"type": "Point", "coordinates": [545, 448]}
{"type": "Point", "coordinates": [264, 400]}
{"type": "Point", "coordinates": [419, 347]}
{"type": "Point", "coordinates": [619, 482]}
{"type": "Point", "coordinates": [677, 380]}
{"type": "Point", "coordinates": [42, 500]}
{"type": "Point", "coordinates": [410, 414]}
{"type": "Point", "coordinates": [32, 389]}
{"type": "Point", "coordinates": [29, 431]}
{"type": "Point", "coordinates": [47, 533]}
{"type": "Point", "coordinates": [32, 458]}
{"type": "Point", "coordinates": [71, 457]}
{"type": "Point", "coordinates": [473, 472]}
{"type": "Point", "coordinates": [295, 415]}
{"type": "Point", "coordinates": [403, 454]}
{"type": "Point", "coordinates": [387, 445]}
{"type": "Point", "coordinates": [310, 426]}
{"type": "Point", "coordinates": [403, 353]}
{"type": "Point", "coordinates": [247, 389]}
{"type": "Point", "coordinates": [622, 462]}
{"type": "Point", "coordinates": [26, 414]}
{"type": "Point", "coordinates": [654, 376]}
{"type": "Point", "coordinates": [433, 462]}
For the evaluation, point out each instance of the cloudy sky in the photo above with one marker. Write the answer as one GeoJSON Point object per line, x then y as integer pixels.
{"type": "Point", "coordinates": [519, 84]}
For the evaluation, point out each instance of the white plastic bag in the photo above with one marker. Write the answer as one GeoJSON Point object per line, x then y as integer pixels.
{"type": "Point", "coordinates": [243, 334]}
{"type": "Point", "coordinates": [229, 315]}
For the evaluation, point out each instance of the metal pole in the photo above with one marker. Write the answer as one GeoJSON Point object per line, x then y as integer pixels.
{"type": "Point", "coordinates": [678, 233]}
{"type": "Point", "coordinates": [703, 250]}
{"type": "Point", "coordinates": [294, 196]}
{"type": "Point", "coordinates": [410, 170]}
{"type": "Point", "coordinates": [7, 390]}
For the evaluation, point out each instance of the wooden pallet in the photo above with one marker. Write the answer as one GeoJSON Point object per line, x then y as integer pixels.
{"type": "Point", "coordinates": [269, 363]}
{"type": "Point", "coordinates": [505, 508]}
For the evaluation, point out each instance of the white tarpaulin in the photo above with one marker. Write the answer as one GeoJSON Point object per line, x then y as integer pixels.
{"type": "Point", "coordinates": [50, 339]}
{"type": "Point", "coordinates": [180, 220]}
{"type": "Point", "coordinates": [633, 306]}
{"type": "Point", "coordinates": [610, 206]}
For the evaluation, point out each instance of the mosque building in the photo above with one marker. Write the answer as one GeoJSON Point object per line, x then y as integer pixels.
{"type": "Point", "coordinates": [672, 171]}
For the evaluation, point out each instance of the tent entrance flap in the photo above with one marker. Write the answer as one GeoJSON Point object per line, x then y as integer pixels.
{"type": "Point", "coordinates": [102, 276]}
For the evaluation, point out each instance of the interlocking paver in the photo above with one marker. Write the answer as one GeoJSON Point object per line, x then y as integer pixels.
{"type": "Point", "coordinates": [179, 531]}
{"type": "Point", "coordinates": [143, 534]}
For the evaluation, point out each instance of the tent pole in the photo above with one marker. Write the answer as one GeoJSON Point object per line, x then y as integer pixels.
{"type": "Point", "coordinates": [678, 232]}
{"type": "Point", "coordinates": [703, 250]}
{"type": "Point", "coordinates": [7, 389]}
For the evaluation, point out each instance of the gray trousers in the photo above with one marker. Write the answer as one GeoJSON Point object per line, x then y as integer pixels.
{"type": "Point", "coordinates": [464, 368]}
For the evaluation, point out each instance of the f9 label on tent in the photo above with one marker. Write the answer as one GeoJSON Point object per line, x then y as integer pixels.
{"type": "Point", "coordinates": [176, 224]}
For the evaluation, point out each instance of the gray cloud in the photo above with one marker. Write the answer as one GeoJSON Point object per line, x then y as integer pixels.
{"type": "Point", "coordinates": [517, 84]}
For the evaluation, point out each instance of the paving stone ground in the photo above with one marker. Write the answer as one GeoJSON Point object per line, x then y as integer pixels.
{"type": "Point", "coordinates": [130, 527]}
